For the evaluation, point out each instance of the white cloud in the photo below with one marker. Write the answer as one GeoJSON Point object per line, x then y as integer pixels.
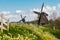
{"type": "Point", "coordinates": [12, 18]}
{"type": "Point", "coordinates": [48, 8]}
{"type": "Point", "coordinates": [58, 5]}
{"type": "Point", "coordinates": [19, 11]}
{"type": "Point", "coordinates": [45, 9]}
{"type": "Point", "coordinates": [36, 9]}
{"type": "Point", "coordinates": [54, 8]}
{"type": "Point", "coordinates": [4, 12]}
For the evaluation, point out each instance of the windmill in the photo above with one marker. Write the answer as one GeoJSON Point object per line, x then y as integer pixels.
{"type": "Point", "coordinates": [22, 19]}
{"type": "Point", "coordinates": [42, 16]}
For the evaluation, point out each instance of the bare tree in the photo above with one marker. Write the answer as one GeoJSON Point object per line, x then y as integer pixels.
{"type": "Point", "coordinates": [53, 17]}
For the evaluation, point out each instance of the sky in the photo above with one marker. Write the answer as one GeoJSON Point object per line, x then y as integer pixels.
{"type": "Point", "coordinates": [12, 9]}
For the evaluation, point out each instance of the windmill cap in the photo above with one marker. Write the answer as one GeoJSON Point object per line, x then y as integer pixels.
{"type": "Point", "coordinates": [44, 13]}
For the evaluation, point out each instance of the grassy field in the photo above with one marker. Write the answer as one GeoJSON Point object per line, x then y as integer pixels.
{"type": "Point", "coordinates": [22, 31]}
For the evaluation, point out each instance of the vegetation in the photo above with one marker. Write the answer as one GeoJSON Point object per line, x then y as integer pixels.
{"type": "Point", "coordinates": [22, 31]}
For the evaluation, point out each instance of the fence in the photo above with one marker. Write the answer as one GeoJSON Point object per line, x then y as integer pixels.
{"type": "Point", "coordinates": [2, 23]}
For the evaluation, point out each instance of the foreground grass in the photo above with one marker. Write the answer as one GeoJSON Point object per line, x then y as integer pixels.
{"type": "Point", "coordinates": [26, 32]}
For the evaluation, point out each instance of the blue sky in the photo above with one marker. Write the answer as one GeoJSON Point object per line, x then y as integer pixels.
{"type": "Point", "coordinates": [12, 5]}
{"type": "Point", "coordinates": [14, 8]}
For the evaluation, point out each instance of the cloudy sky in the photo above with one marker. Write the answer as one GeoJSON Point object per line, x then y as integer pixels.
{"type": "Point", "coordinates": [12, 9]}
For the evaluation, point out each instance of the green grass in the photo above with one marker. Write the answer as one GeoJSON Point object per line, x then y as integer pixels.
{"type": "Point", "coordinates": [26, 32]}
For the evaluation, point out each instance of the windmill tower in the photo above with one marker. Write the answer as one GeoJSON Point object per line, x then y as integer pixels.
{"type": "Point", "coordinates": [42, 19]}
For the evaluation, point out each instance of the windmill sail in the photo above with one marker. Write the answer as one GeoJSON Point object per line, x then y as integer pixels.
{"type": "Point", "coordinates": [22, 19]}
{"type": "Point", "coordinates": [42, 7]}
{"type": "Point", "coordinates": [21, 16]}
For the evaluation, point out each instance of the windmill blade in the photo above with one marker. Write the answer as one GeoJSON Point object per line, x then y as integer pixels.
{"type": "Point", "coordinates": [42, 7]}
{"type": "Point", "coordinates": [24, 16]}
{"type": "Point", "coordinates": [36, 12]}
{"type": "Point", "coordinates": [21, 16]}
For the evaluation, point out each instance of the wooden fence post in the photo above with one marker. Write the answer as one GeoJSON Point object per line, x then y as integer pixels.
{"type": "Point", "coordinates": [8, 24]}
{"type": "Point", "coordinates": [1, 22]}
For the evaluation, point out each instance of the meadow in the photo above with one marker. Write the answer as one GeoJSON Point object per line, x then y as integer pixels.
{"type": "Point", "coordinates": [21, 31]}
